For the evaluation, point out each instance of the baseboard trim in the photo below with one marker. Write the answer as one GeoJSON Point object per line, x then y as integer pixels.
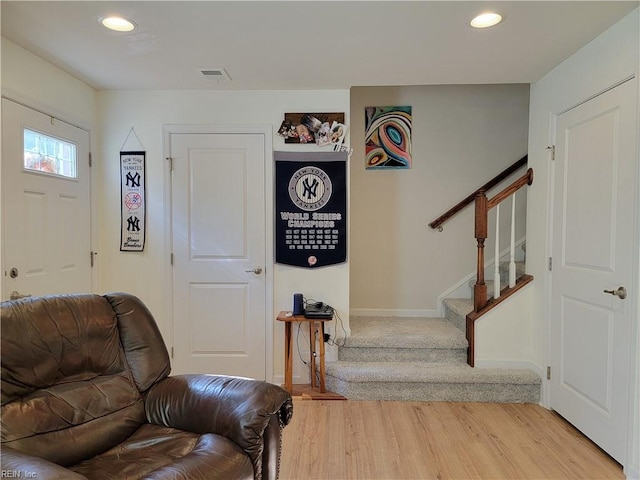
{"type": "Point", "coordinates": [279, 379]}
{"type": "Point", "coordinates": [632, 472]}
{"type": "Point", "coordinates": [509, 364]}
{"type": "Point", "coordinates": [388, 312]}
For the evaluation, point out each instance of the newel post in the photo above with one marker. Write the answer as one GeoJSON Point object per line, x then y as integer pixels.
{"type": "Point", "coordinates": [480, 288]}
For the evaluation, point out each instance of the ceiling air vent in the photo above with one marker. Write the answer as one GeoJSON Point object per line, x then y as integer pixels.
{"type": "Point", "coordinates": [217, 74]}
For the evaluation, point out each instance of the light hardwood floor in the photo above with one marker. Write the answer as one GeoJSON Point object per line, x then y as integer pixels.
{"type": "Point", "coordinates": [329, 440]}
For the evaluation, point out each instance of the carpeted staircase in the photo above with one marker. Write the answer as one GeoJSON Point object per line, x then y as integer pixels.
{"type": "Point", "coordinates": [396, 358]}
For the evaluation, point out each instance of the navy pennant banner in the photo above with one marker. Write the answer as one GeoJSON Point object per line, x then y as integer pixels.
{"type": "Point", "coordinates": [311, 208]}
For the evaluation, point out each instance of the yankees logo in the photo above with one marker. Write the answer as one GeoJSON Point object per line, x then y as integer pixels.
{"type": "Point", "coordinates": [310, 188]}
{"type": "Point", "coordinates": [133, 200]}
{"type": "Point", "coordinates": [133, 180]}
{"type": "Point", "coordinates": [133, 224]}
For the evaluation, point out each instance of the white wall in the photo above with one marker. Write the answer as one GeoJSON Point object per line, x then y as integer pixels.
{"type": "Point", "coordinates": [29, 80]}
{"type": "Point", "coordinates": [462, 136]}
{"type": "Point", "coordinates": [503, 335]}
{"type": "Point", "coordinates": [607, 60]}
{"type": "Point", "coordinates": [145, 274]}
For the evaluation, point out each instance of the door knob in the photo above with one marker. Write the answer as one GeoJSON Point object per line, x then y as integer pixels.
{"type": "Point", "coordinates": [15, 295]}
{"type": "Point", "coordinates": [256, 270]}
{"type": "Point", "coordinates": [621, 292]}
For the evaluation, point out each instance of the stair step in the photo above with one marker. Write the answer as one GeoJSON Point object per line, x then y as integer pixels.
{"type": "Point", "coordinates": [425, 381]}
{"type": "Point", "coordinates": [399, 339]}
{"type": "Point", "coordinates": [456, 310]}
{"type": "Point", "coordinates": [377, 354]}
{"type": "Point", "coordinates": [422, 359]}
{"type": "Point", "coordinates": [403, 332]}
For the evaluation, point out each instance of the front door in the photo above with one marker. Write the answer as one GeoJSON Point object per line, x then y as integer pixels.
{"type": "Point", "coordinates": [219, 251]}
{"type": "Point", "coordinates": [46, 217]}
{"type": "Point", "coordinates": [593, 239]}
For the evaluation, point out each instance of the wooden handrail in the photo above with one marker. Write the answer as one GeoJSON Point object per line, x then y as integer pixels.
{"type": "Point", "coordinates": [526, 179]}
{"type": "Point", "coordinates": [437, 223]}
{"type": "Point", "coordinates": [480, 302]}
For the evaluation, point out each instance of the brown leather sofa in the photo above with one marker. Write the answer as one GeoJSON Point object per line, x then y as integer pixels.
{"type": "Point", "coordinates": [86, 394]}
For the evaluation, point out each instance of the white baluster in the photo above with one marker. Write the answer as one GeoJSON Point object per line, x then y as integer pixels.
{"type": "Point", "coordinates": [512, 249]}
{"type": "Point", "coordinates": [496, 270]}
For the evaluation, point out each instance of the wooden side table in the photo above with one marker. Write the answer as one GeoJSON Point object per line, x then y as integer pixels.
{"type": "Point", "coordinates": [316, 326]}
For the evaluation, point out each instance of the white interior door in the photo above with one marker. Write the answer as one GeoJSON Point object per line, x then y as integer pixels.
{"type": "Point", "coordinates": [593, 239]}
{"type": "Point", "coordinates": [218, 197]}
{"type": "Point", "coordinates": [46, 215]}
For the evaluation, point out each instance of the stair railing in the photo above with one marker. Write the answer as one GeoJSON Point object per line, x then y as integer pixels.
{"type": "Point", "coordinates": [437, 223]}
{"type": "Point", "coordinates": [483, 205]}
{"type": "Point", "coordinates": [481, 304]}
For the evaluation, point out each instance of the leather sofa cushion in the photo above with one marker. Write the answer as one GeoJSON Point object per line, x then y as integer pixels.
{"type": "Point", "coordinates": [144, 348]}
{"type": "Point", "coordinates": [155, 452]}
{"type": "Point", "coordinates": [58, 339]}
{"type": "Point", "coordinates": [65, 379]}
{"type": "Point", "coordinates": [91, 415]}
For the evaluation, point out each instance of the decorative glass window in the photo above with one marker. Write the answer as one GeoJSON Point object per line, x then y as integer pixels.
{"type": "Point", "coordinates": [43, 153]}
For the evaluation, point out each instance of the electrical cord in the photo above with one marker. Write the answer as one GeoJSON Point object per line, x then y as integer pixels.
{"type": "Point", "coordinates": [298, 344]}
{"type": "Point", "coordinates": [317, 374]}
{"type": "Point", "coordinates": [310, 301]}
{"type": "Point", "coordinates": [332, 339]}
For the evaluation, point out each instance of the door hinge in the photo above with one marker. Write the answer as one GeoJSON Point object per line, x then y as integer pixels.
{"type": "Point", "coordinates": [171, 259]}
{"type": "Point", "coordinates": [553, 151]}
{"type": "Point", "coordinates": [171, 352]}
{"type": "Point", "coordinates": [90, 160]}
{"type": "Point", "coordinates": [548, 373]}
{"type": "Point", "coordinates": [92, 256]}
{"type": "Point", "coordinates": [550, 264]}
{"type": "Point", "coordinates": [170, 160]}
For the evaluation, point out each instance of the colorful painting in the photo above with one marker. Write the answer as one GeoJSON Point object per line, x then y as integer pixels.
{"type": "Point", "coordinates": [388, 137]}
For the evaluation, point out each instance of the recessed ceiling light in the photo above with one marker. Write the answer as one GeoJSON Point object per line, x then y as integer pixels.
{"type": "Point", "coordinates": [486, 20]}
{"type": "Point", "coordinates": [119, 24]}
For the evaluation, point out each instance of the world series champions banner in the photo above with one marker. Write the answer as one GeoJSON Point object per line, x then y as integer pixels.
{"type": "Point", "coordinates": [132, 194]}
{"type": "Point", "coordinates": [311, 208]}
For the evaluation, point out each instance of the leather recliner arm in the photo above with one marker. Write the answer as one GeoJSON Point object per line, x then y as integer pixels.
{"type": "Point", "coordinates": [237, 408]}
{"type": "Point", "coordinates": [17, 464]}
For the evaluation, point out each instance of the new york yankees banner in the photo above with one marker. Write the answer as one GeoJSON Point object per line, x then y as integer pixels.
{"type": "Point", "coordinates": [132, 181]}
{"type": "Point", "coordinates": [311, 208]}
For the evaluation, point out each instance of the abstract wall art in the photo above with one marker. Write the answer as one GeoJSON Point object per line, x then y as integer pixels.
{"type": "Point", "coordinates": [387, 137]}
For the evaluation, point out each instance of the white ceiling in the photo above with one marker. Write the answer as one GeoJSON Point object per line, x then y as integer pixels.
{"type": "Point", "coordinates": [306, 44]}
